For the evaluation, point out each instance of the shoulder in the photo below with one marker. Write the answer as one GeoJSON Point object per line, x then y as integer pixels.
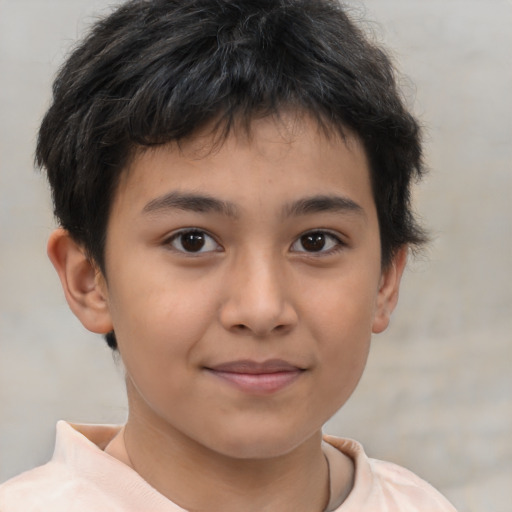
{"type": "Point", "coordinates": [404, 489]}
{"type": "Point", "coordinates": [81, 477]}
{"type": "Point", "coordinates": [53, 488]}
{"type": "Point", "coordinates": [382, 486]}
{"type": "Point", "coordinates": [48, 487]}
{"type": "Point", "coordinates": [59, 485]}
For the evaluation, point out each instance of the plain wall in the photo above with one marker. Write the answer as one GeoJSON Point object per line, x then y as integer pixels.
{"type": "Point", "coordinates": [437, 393]}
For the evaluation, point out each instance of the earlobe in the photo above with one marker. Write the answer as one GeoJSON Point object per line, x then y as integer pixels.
{"type": "Point", "coordinates": [389, 287]}
{"type": "Point", "coordinates": [83, 284]}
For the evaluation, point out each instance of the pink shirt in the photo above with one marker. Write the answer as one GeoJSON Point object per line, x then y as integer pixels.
{"type": "Point", "coordinates": [81, 477]}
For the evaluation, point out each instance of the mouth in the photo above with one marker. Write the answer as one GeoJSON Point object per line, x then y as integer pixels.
{"type": "Point", "coordinates": [257, 378]}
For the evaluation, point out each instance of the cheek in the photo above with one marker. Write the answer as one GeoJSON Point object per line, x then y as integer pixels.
{"type": "Point", "coordinates": [343, 308]}
{"type": "Point", "coordinates": [341, 320]}
{"type": "Point", "coordinates": [343, 354]}
{"type": "Point", "coordinates": [158, 344]}
{"type": "Point", "coordinates": [158, 325]}
{"type": "Point", "coordinates": [345, 341]}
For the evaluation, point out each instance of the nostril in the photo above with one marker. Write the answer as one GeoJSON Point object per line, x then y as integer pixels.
{"type": "Point", "coordinates": [246, 316]}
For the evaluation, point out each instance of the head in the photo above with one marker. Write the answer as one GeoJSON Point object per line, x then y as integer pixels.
{"type": "Point", "coordinates": [161, 71]}
{"type": "Point", "coordinates": [232, 178]}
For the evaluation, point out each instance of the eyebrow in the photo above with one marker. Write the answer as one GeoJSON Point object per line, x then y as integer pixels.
{"type": "Point", "coordinates": [322, 203]}
{"type": "Point", "coordinates": [190, 202]}
{"type": "Point", "coordinates": [201, 203]}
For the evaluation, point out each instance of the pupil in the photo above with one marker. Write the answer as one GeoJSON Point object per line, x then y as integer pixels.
{"type": "Point", "coordinates": [192, 242]}
{"type": "Point", "coordinates": [313, 242]}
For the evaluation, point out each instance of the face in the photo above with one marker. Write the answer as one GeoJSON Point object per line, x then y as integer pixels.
{"type": "Point", "coordinates": [243, 284]}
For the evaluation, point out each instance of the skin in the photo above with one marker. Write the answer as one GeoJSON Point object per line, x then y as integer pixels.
{"type": "Point", "coordinates": [258, 289]}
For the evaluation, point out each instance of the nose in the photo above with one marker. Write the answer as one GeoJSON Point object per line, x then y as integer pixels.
{"type": "Point", "coordinates": [258, 300]}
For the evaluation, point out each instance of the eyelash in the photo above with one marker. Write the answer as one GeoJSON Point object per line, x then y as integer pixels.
{"type": "Point", "coordinates": [178, 236]}
{"type": "Point", "coordinates": [336, 243]}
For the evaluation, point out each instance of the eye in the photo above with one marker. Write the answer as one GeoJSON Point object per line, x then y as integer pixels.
{"type": "Point", "coordinates": [193, 241]}
{"type": "Point", "coordinates": [317, 242]}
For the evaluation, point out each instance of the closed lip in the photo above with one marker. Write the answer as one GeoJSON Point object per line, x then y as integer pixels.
{"type": "Point", "coordinates": [257, 378]}
{"type": "Point", "coordinates": [250, 367]}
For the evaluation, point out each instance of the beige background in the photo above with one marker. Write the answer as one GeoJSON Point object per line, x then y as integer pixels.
{"type": "Point", "coordinates": [437, 394]}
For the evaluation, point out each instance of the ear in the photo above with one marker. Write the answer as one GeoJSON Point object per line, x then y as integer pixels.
{"type": "Point", "coordinates": [83, 284]}
{"type": "Point", "coordinates": [389, 286]}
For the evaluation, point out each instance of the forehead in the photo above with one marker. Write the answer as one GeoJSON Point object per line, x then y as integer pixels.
{"type": "Point", "coordinates": [271, 158]}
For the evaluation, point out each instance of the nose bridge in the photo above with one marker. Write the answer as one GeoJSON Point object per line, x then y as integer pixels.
{"type": "Point", "coordinates": [257, 294]}
{"type": "Point", "coordinates": [262, 280]}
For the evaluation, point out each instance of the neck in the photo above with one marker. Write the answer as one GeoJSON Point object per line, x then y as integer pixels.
{"type": "Point", "coordinates": [199, 479]}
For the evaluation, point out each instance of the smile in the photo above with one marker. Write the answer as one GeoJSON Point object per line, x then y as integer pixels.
{"type": "Point", "coordinates": [257, 378]}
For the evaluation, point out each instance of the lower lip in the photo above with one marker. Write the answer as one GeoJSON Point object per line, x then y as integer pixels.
{"type": "Point", "coordinates": [259, 383]}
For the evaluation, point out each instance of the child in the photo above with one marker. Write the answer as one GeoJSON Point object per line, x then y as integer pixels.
{"type": "Point", "coordinates": [232, 182]}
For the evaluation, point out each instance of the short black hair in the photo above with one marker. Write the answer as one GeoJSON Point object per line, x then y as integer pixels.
{"type": "Point", "coordinates": [156, 71]}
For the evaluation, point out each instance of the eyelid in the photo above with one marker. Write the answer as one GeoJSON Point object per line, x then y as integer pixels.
{"type": "Point", "coordinates": [168, 241]}
{"type": "Point", "coordinates": [337, 237]}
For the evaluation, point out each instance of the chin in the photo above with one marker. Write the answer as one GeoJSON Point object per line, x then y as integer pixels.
{"type": "Point", "coordinates": [259, 443]}
{"type": "Point", "coordinates": [256, 450]}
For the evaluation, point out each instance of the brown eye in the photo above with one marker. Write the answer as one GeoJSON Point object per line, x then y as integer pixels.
{"type": "Point", "coordinates": [193, 241]}
{"type": "Point", "coordinates": [313, 242]}
{"type": "Point", "coordinates": [321, 242]}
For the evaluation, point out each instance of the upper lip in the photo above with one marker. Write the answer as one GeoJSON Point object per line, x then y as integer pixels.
{"type": "Point", "coordinates": [253, 367]}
